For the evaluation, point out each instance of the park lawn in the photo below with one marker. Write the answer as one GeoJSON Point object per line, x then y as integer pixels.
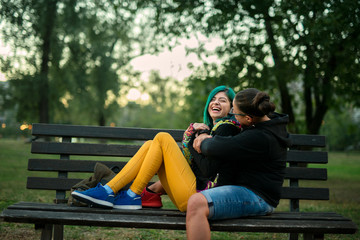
{"type": "Point", "coordinates": [344, 184]}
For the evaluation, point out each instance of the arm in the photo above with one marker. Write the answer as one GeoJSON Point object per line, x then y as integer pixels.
{"type": "Point", "coordinates": [188, 136]}
{"type": "Point", "coordinates": [205, 165]}
{"type": "Point", "coordinates": [225, 128]}
{"type": "Point", "coordinates": [247, 144]}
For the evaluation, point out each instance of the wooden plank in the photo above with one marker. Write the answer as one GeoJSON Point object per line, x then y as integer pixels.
{"type": "Point", "coordinates": [303, 173]}
{"type": "Point", "coordinates": [284, 226]}
{"type": "Point", "coordinates": [177, 223]}
{"type": "Point", "coordinates": [169, 212]}
{"type": "Point", "coordinates": [88, 166]}
{"type": "Point", "coordinates": [43, 183]}
{"type": "Point", "coordinates": [70, 165]}
{"type": "Point", "coordinates": [307, 140]}
{"type": "Point", "coordinates": [63, 130]}
{"type": "Point", "coordinates": [297, 156]}
{"type": "Point", "coordinates": [86, 149]}
{"type": "Point", "coordinates": [94, 219]}
{"type": "Point", "coordinates": [48, 183]}
{"type": "Point", "coordinates": [66, 208]}
{"type": "Point", "coordinates": [305, 193]}
{"type": "Point", "coordinates": [121, 150]}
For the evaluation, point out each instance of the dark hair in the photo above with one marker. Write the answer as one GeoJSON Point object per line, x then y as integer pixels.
{"type": "Point", "coordinates": [254, 102]}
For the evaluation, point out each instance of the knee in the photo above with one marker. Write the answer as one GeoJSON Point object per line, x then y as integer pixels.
{"type": "Point", "coordinates": [162, 135]}
{"type": "Point", "coordinates": [197, 204]}
{"type": "Point", "coordinates": [148, 143]}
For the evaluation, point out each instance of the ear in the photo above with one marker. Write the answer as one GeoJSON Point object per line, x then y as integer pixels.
{"type": "Point", "coordinates": [249, 120]}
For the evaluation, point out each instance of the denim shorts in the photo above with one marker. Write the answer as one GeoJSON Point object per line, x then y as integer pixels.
{"type": "Point", "coordinates": [235, 201]}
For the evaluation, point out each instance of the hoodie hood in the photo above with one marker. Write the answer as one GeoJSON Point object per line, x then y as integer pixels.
{"type": "Point", "coordinates": [277, 127]}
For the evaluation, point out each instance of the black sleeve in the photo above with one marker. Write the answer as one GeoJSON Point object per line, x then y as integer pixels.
{"type": "Point", "coordinates": [207, 167]}
{"type": "Point", "coordinates": [244, 144]}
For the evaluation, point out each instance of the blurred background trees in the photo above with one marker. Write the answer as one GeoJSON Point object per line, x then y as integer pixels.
{"type": "Point", "coordinates": [303, 52]}
{"type": "Point", "coordinates": [70, 61]}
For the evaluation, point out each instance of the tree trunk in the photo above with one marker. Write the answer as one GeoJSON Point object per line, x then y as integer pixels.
{"type": "Point", "coordinates": [286, 105]}
{"type": "Point", "coordinates": [47, 31]}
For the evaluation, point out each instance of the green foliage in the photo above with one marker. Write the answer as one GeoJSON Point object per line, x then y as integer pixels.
{"type": "Point", "coordinates": [70, 61]}
{"type": "Point", "coordinates": [71, 64]}
{"type": "Point", "coordinates": [304, 53]}
{"type": "Point", "coordinates": [164, 107]}
{"type": "Point", "coordinates": [342, 129]}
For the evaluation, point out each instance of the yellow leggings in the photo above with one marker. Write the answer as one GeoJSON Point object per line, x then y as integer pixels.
{"type": "Point", "coordinates": [163, 156]}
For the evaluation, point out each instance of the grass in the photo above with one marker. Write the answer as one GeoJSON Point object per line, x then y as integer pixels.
{"type": "Point", "coordinates": [344, 184]}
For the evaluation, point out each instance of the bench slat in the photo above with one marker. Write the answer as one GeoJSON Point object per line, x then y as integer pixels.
{"type": "Point", "coordinates": [305, 193]}
{"type": "Point", "coordinates": [120, 150]}
{"type": "Point", "coordinates": [88, 166]}
{"type": "Point", "coordinates": [64, 130]}
{"type": "Point", "coordinates": [116, 133]}
{"type": "Point", "coordinates": [307, 140]}
{"type": "Point", "coordinates": [169, 212]}
{"type": "Point", "coordinates": [69, 165]}
{"type": "Point", "coordinates": [86, 149]}
{"type": "Point", "coordinates": [297, 156]}
{"type": "Point", "coordinates": [138, 220]}
{"type": "Point", "coordinates": [303, 173]}
{"type": "Point", "coordinates": [43, 183]}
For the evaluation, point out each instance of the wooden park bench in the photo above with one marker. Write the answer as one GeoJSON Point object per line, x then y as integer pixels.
{"type": "Point", "coordinates": [64, 142]}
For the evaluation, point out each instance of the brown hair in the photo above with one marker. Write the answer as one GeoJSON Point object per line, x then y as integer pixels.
{"type": "Point", "coordinates": [254, 102]}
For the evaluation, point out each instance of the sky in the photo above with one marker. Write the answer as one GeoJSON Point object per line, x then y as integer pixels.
{"type": "Point", "coordinates": [174, 63]}
{"type": "Point", "coordinates": [169, 63]}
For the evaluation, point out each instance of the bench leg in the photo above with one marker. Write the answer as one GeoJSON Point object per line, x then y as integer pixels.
{"type": "Point", "coordinates": [58, 232]}
{"type": "Point", "coordinates": [46, 233]}
{"type": "Point", "coordinates": [312, 236]}
{"type": "Point", "coordinates": [293, 236]}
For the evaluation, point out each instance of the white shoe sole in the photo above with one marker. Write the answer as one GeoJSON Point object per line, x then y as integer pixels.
{"type": "Point", "coordinates": [91, 201]}
{"type": "Point", "coordinates": [130, 207]}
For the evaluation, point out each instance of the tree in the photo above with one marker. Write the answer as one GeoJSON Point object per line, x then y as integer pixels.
{"type": "Point", "coordinates": [162, 105]}
{"type": "Point", "coordinates": [32, 25]}
{"type": "Point", "coordinates": [305, 52]}
{"type": "Point", "coordinates": [74, 51]}
{"type": "Point", "coordinates": [341, 126]}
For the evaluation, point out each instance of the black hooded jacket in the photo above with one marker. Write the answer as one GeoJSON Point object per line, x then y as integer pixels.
{"type": "Point", "coordinates": [255, 158]}
{"type": "Point", "coordinates": [204, 169]}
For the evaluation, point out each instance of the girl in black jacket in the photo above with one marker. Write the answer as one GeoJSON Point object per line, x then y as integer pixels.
{"type": "Point", "coordinates": [253, 160]}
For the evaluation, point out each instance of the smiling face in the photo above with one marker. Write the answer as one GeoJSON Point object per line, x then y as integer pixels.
{"type": "Point", "coordinates": [219, 106]}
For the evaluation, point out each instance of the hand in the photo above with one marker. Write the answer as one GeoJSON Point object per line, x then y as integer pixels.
{"type": "Point", "coordinates": [200, 126]}
{"type": "Point", "coordinates": [197, 142]}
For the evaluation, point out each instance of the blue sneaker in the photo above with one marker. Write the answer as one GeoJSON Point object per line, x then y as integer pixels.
{"type": "Point", "coordinates": [124, 201]}
{"type": "Point", "coordinates": [95, 197]}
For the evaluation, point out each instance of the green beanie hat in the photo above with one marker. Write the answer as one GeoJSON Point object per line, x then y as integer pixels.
{"type": "Point", "coordinates": [229, 92]}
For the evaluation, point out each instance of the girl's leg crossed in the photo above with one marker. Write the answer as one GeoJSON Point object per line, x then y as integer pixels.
{"type": "Point", "coordinates": [130, 170]}
{"type": "Point", "coordinates": [175, 173]}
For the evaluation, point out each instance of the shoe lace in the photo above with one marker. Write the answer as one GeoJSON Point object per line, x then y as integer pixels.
{"type": "Point", "coordinates": [121, 194]}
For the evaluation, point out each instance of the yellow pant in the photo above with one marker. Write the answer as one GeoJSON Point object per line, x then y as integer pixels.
{"type": "Point", "coordinates": [163, 156]}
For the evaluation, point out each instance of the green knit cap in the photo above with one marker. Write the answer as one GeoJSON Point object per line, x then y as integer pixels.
{"type": "Point", "coordinates": [229, 92]}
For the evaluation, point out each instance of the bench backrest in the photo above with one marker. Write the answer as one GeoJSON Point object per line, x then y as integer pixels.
{"type": "Point", "coordinates": [63, 141]}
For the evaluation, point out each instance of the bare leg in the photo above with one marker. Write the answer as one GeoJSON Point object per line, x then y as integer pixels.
{"type": "Point", "coordinates": [157, 187]}
{"type": "Point", "coordinates": [197, 224]}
